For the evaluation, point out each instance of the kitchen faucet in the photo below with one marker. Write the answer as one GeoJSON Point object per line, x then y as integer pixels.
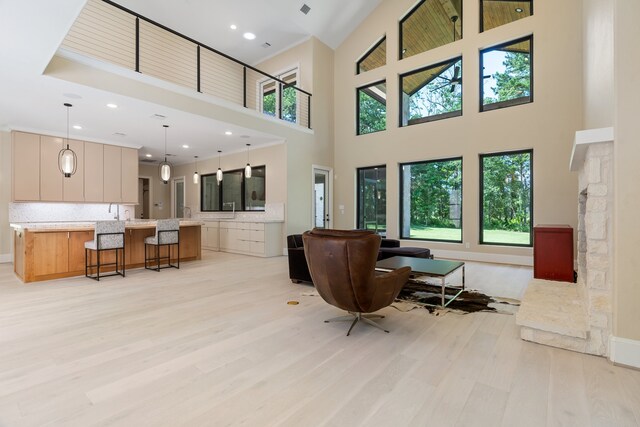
{"type": "Point", "coordinates": [117, 216]}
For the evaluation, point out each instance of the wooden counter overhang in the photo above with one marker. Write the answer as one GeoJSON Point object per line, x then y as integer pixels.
{"type": "Point", "coordinates": [45, 251]}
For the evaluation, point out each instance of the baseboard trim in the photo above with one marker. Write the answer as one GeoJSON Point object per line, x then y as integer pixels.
{"type": "Point", "coordinates": [484, 257]}
{"type": "Point", "coordinates": [623, 351]}
{"type": "Point", "coordinates": [4, 258]}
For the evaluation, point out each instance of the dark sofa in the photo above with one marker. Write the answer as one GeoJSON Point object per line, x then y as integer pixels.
{"type": "Point", "coordinates": [299, 270]}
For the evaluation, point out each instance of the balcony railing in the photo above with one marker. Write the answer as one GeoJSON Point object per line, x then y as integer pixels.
{"type": "Point", "coordinates": [110, 32]}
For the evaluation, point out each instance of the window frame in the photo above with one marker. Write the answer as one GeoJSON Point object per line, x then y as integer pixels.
{"type": "Point", "coordinates": [401, 207]}
{"type": "Point", "coordinates": [436, 117]}
{"type": "Point", "coordinates": [279, 92]}
{"type": "Point", "coordinates": [511, 102]}
{"type": "Point", "coordinates": [358, 204]}
{"type": "Point", "coordinates": [358, 89]}
{"type": "Point", "coordinates": [369, 52]}
{"type": "Point", "coordinates": [242, 190]}
{"type": "Point", "coordinates": [481, 157]}
{"type": "Point", "coordinates": [481, 26]}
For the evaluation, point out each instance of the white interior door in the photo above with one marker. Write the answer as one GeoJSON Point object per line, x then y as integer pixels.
{"type": "Point", "coordinates": [322, 195]}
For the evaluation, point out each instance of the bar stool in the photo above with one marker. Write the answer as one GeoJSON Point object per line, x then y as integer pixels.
{"type": "Point", "coordinates": [167, 234]}
{"type": "Point", "coordinates": [108, 236]}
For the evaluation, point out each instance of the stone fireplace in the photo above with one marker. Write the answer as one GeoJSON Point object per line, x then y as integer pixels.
{"type": "Point", "coordinates": [595, 246]}
{"type": "Point", "coordinates": [579, 316]}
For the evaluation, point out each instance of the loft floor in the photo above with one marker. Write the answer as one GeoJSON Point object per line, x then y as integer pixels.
{"type": "Point", "coordinates": [215, 343]}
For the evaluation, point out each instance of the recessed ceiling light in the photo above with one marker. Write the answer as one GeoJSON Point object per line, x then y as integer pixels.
{"type": "Point", "coordinates": [112, 105]}
{"type": "Point", "coordinates": [233, 26]}
{"type": "Point", "coordinates": [78, 127]}
{"type": "Point", "coordinates": [228, 132]}
{"type": "Point", "coordinates": [249, 36]}
{"type": "Point", "coordinates": [185, 146]}
{"type": "Point", "coordinates": [519, 10]}
{"type": "Point", "coordinates": [148, 155]}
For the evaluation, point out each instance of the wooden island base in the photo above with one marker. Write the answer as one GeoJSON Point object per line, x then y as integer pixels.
{"type": "Point", "coordinates": [45, 254]}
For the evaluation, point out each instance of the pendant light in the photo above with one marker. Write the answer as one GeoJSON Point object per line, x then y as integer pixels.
{"type": "Point", "coordinates": [195, 174]}
{"type": "Point", "coordinates": [247, 169]}
{"type": "Point", "coordinates": [67, 159]}
{"type": "Point", "coordinates": [219, 174]}
{"type": "Point", "coordinates": [165, 167]}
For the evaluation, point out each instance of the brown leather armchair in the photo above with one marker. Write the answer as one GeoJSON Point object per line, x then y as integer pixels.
{"type": "Point", "coordinates": [342, 266]}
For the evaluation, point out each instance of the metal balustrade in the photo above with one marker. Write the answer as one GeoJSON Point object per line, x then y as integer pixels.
{"type": "Point", "coordinates": [112, 33]}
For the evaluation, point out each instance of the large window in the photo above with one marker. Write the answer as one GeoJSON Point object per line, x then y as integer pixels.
{"type": "Point", "coordinates": [372, 108]}
{"type": "Point", "coordinates": [431, 200]}
{"type": "Point", "coordinates": [506, 76]}
{"type": "Point", "coordinates": [506, 198]}
{"type": "Point", "coordinates": [278, 99]}
{"type": "Point", "coordinates": [431, 93]}
{"type": "Point", "coordinates": [496, 13]}
{"type": "Point", "coordinates": [430, 24]}
{"type": "Point", "coordinates": [372, 199]}
{"type": "Point", "coordinates": [374, 58]}
{"type": "Point", "coordinates": [235, 192]}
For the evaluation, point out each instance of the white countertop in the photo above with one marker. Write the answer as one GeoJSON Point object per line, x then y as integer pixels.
{"type": "Point", "coordinates": [66, 225]}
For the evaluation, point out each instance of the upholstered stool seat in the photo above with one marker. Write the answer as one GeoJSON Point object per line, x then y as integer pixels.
{"type": "Point", "coordinates": [108, 236]}
{"type": "Point", "coordinates": [167, 235]}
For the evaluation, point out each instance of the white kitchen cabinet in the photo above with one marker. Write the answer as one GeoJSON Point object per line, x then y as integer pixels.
{"type": "Point", "coordinates": [210, 237]}
{"type": "Point", "coordinates": [251, 238]}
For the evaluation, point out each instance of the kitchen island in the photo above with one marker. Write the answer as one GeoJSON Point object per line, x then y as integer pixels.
{"type": "Point", "coordinates": [45, 251]}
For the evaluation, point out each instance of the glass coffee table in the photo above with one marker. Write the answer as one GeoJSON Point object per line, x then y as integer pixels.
{"type": "Point", "coordinates": [427, 267]}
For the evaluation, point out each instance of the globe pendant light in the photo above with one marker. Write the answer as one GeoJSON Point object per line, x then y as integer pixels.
{"type": "Point", "coordinates": [67, 159]}
{"type": "Point", "coordinates": [195, 174]}
{"type": "Point", "coordinates": [219, 174]}
{"type": "Point", "coordinates": [165, 167]}
{"type": "Point", "coordinates": [247, 169]}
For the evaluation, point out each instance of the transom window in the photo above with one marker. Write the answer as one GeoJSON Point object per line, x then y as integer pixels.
{"type": "Point", "coordinates": [374, 58]}
{"type": "Point", "coordinates": [506, 74]}
{"type": "Point", "coordinates": [431, 200]}
{"type": "Point", "coordinates": [430, 24]}
{"type": "Point", "coordinates": [372, 108]}
{"type": "Point", "coordinates": [280, 100]}
{"type": "Point", "coordinates": [372, 199]}
{"type": "Point", "coordinates": [506, 198]}
{"type": "Point", "coordinates": [431, 93]}
{"type": "Point", "coordinates": [494, 13]}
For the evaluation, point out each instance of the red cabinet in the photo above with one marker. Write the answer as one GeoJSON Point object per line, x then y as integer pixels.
{"type": "Point", "coordinates": [553, 252]}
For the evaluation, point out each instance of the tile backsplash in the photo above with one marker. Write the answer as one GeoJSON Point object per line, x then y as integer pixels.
{"type": "Point", "coordinates": [52, 212]}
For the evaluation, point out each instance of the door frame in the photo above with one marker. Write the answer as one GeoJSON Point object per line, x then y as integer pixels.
{"type": "Point", "coordinates": [173, 195]}
{"type": "Point", "coordinates": [329, 201]}
{"type": "Point", "coordinates": [151, 206]}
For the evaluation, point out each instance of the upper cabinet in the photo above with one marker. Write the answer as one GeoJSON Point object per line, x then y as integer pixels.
{"type": "Point", "coordinates": [129, 175]}
{"type": "Point", "coordinates": [50, 176]}
{"type": "Point", "coordinates": [112, 174]}
{"type": "Point", "coordinates": [93, 172]}
{"type": "Point", "coordinates": [26, 166]}
{"type": "Point", "coordinates": [104, 173]}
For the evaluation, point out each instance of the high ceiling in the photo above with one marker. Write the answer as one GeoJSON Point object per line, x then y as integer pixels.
{"type": "Point", "coordinates": [277, 22]}
{"type": "Point", "coordinates": [31, 32]}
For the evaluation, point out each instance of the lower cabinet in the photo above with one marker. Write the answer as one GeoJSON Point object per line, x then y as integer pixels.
{"type": "Point", "coordinates": [45, 255]}
{"type": "Point", "coordinates": [52, 254]}
{"type": "Point", "coordinates": [262, 239]}
{"type": "Point", "coordinates": [210, 236]}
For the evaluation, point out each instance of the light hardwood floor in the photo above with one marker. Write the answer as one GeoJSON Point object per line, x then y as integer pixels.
{"type": "Point", "coordinates": [216, 344]}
